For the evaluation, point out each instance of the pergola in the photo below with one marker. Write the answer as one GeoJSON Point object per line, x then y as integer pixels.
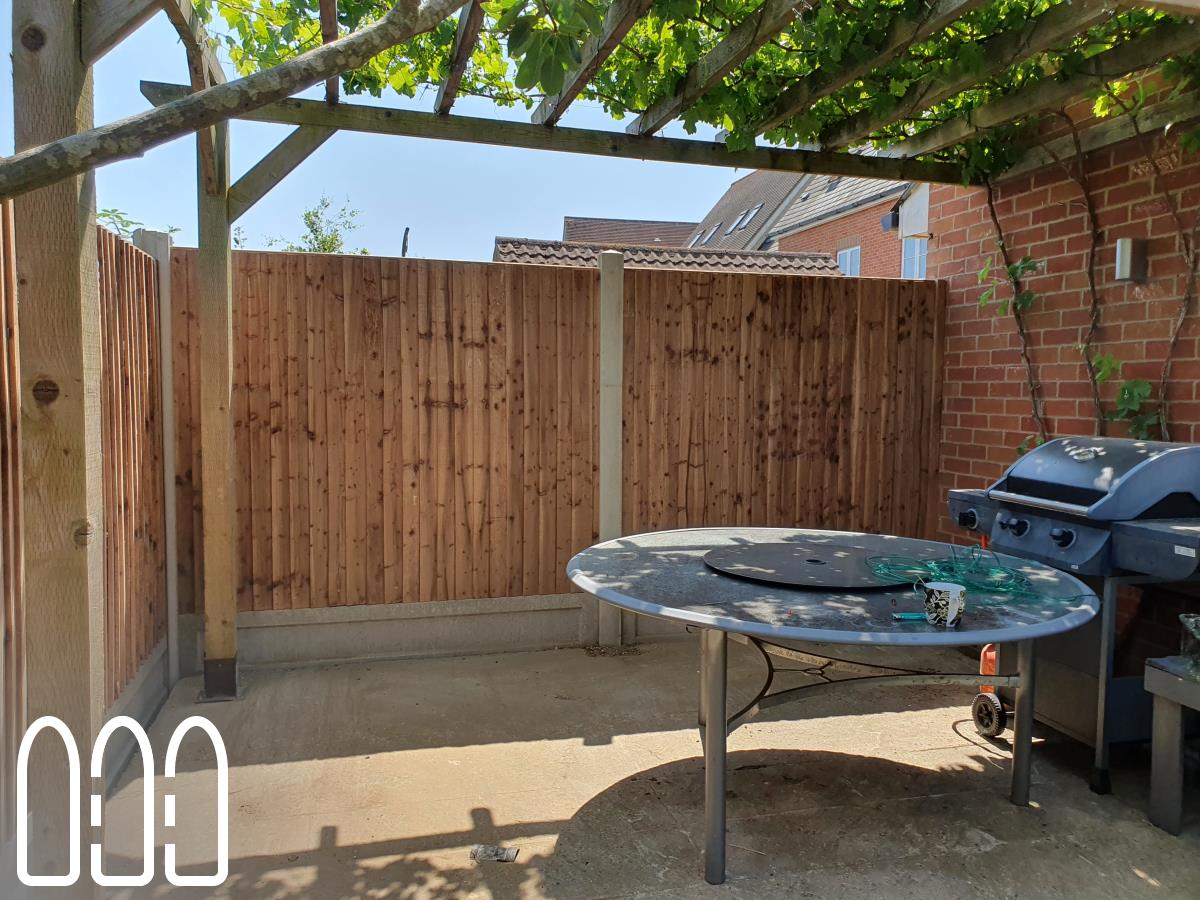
{"type": "Point", "coordinates": [57, 41]}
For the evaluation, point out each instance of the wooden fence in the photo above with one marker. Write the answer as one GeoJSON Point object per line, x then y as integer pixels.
{"type": "Point", "coordinates": [131, 433]}
{"type": "Point", "coordinates": [12, 663]}
{"type": "Point", "coordinates": [411, 430]}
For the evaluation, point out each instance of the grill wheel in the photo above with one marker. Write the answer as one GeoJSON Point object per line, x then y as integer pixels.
{"type": "Point", "coordinates": [989, 715]}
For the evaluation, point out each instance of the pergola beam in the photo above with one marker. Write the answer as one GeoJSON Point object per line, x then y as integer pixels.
{"type": "Point", "coordinates": [599, 47]}
{"type": "Point", "coordinates": [274, 167]}
{"type": "Point", "coordinates": [406, 123]}
{"type": "Point", "coordinates": [1135, 55]}
{"type": "Point", "coordinates": [1054, 27]}
{"type": "Point", "coordinates": [743, 40]}
{"type": "Point", "coordinates": [903, 34]}
{"type": "Point", "coordinates": [105, 23]}
{"type": "Point", "coordinates": [329, 34]}
{"type": "Point", "coordinates": [191, 31]}
{"type": "Point", "coordinates": [470, 20]}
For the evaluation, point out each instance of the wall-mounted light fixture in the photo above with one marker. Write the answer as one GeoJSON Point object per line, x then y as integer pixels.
{"type": "Point", "coordinates": [1131, 260]}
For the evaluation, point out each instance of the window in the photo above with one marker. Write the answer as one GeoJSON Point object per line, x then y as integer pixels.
{"type": "Point", "coordinates": [712, 233]}
{"type": "Point", "coordinates": [848, 260]}
{"type": "Point", "coordinates": [696, 238]}
{"type": "Point", "coordinates": [748, 217]}
{"type": "Point", "coordinates": [736, 223]}
{"type": "Point", "coordinates": [913, 263]}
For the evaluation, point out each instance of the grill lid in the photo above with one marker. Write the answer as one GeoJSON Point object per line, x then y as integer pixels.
{"type": "Point", "coordinates": [1108, 479]}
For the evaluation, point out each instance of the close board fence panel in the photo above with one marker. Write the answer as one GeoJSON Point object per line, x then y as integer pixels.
{"type": "Point", "coordinates": [135, 574]}
{"type": "Point", "coordinates": [421, 430]}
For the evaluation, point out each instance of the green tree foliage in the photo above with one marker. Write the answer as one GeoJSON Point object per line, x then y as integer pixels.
{"type": "Point", "coordinates": [325, 230]}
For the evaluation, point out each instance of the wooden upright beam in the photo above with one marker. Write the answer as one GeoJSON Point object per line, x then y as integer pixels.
{"type": "Point", "coordinates": [329, 34]}
{"type": "Point", "coordinates": [742, 41]}
{"type": "Point", "coordinates": [1053, 28]}
{"type": "Point", "coordinates": [105, 23]}
{"type": "Point", "coordinates": [611, 424]}
{"type": "Point", "coordinates": [1140, 53]}
{"type": "Point", "coordinates": [205, 65]}
{"type": "Point", "coordinates": [617, 21]}
{"type": "Point", "coordinates": [60, 399]}
{"type": "Point", "coordinates": [216, 431]}
{"type": "Point", "coordinates": [904, 33]}
{"type": "Point", "coordinates": [378, 120]}
{"type": "Point", "coordinates": [470, 19]}
{"type": "Point", "coordinates": [275, 166]}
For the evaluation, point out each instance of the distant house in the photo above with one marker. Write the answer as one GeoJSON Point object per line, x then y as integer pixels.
{"type": "Point", "coordinates": [873, 228]}
{"type": "Point", "coordinates": [566, 253]}
{"type": "Point", "coordinates": [744, 216]}
{"type": "Point", "coordinates": [639, 232]}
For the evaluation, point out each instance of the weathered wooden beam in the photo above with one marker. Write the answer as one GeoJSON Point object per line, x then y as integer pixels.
{"type": "Point", "coordinates": [217, 463]}
{"type": "Point", "coordinates": [617, 21]}
{"type": "Point", "coordinates": [467, 129]}
{"type": "Point", "coordinates": [203, 60]}
{"type": "Point", "coordinates": [1178, 7]}
{"type": "Point", "coordinates": [1053, 28]}
{"type": "Point", "coordinates": [63, 493]}
{"type": "Point", "coordinates": [274, 167]}
{"type": "Point", "coordinates": [470, 19]}
{"type": "Point", "coordinates": [707, 72]}
{"type": "Point", "coordinates": [105, 23]}
{"type": "Point", "coordinates": [904, 33]}
{"type": "Point", "coordinates": [329, 34]}
{"type": "Point", "coordinates": [1178, 111]}
{"type": "Point", "coordinates": [131, 136]}
{"type": "Point", "coordinates": [1134, 55]}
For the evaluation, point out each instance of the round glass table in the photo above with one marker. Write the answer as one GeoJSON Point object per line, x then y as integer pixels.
{"type": "Point", "coordinates": [663, 574]}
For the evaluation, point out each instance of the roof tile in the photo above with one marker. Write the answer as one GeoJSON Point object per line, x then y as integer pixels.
{"type": "Point", "coordinates": [563, 253]}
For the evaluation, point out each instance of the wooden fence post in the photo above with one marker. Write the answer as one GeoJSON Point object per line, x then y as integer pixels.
{"type": "Point", "coordinates": [612, 350]}
{"type": "Point", "coordinates": [216, 425]}
{"type": "Point", "coordinates": [60, 399]}
{"type": "Point", "coordinates": [158, 245]}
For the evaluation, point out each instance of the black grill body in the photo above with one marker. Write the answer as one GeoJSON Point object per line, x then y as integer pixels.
{"type": "Point", "coordinates": [1121, 510]}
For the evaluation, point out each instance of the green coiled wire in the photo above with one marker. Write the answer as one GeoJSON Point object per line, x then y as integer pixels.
{"type": "Point", "coordinates": [977, 570]}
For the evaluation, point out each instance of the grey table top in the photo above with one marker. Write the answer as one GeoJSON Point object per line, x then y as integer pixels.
{"type": "Point", "coordinates": [663, 574]}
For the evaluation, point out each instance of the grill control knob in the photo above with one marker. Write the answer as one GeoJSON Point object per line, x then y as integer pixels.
{"type": "Point", "coordinates": [1063, 537]}
{"type": "Point", "coordinates": [1018, 527]}
{"type": "Point", "coordinates": [968, 518]}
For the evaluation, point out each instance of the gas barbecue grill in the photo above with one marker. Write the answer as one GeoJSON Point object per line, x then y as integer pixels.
{"type": "Point", "coordinates": [1123, 510]}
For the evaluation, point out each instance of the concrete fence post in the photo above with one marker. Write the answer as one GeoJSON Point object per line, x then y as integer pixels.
{"type": "Point", "coordinates": [612, 348]}
{"type": "Point", "coordinates": [157, 244]}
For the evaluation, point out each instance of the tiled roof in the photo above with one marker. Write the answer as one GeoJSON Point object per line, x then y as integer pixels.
{"type": "Point", "coordinates": [562, 253]}
{"type": "Point", "coordinates": [827, 196]}
{"type": "Point", "coordinates": [749, 207]}
{"type": "Point", "coordinates": [643, 232]}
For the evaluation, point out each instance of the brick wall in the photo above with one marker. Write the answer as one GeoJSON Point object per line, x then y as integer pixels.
{"type": "Point", "coordinates": [986, 412]}
{"type": "Point", "coordinates": [881, 250]}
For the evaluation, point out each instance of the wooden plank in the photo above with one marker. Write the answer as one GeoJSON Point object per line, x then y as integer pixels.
{"type": "Point", "coordinates": [105, 23]}
{"type": "Point", "coordinates": [903, 33]}
{"type": "Point", "coordinates": [274, 290]}
{"type": "Point", "coordinates": [599, 47]}
{"type": "Point", "coordinates": [62, 491]}
{"type": "Point", "coordinates": [1167, 39]}
{"type": "Point", "coordinates": [357, 289]}
{"type": "Point", "coordinates": [391, 280]}
{"type": "Point", "coordinates": [255, 297]}
{"type": "Point", "coordinates": [499, 502]}
{"type": "Point", "coordinates": [412, 467]}
{"type": "Point", "coordinates": [374, 473]}
{"type": "Point", "coordinates": [281, 161]}
{"type": "Point", "coordinates": [319, 501]}
{"type": "Point", "coordinates": [298, 434]}
{"type": "Point", "coordinates": [377, 120]}
{"type": "Point", "coordinates": [199, 46]}
{"type": "Point", "coordinates": [466, 35]}
{"type": "Point", "coordinates": [337, 299]}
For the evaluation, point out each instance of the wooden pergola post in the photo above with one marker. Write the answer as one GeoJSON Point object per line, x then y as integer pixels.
{"type": "Point", "coordinates": [60, 395]}
{"type": "Point", "coordinates": [612, 350]}
{"type": "Point", "coordinates": [216, 422]}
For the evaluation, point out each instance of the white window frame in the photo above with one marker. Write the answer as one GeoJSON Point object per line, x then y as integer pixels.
{"type": "Point", "coordinates": [850, 258]}
{"type": "Point", "coordinates": [917, 259]}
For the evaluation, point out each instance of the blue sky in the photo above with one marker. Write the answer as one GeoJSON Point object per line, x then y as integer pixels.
{"type": "Point", "coordinates": [455, 197]}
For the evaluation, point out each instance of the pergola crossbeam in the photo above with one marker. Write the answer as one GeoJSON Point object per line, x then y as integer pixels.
{"type": "Point", "coordinates": [468, 129]}
{"type": "Point", "coordinates": [1053, 28]}
{"type": "Point", "coordinates": [470, 20]}
{"type": "Point", "coordinates": [105, 23]}
{"type": "Point", "coordinates": [1134, 55]}
{"type": "Point", "coordinates": [617, 22]}
{"type": "Point", "coordinates": [195, 39]}
{"type": "Point", "coordinates": [739, 45]}
{"type": "Point", "coordinates": [274, 167]}
{"type": "Point", "coordinates": [903, 34]}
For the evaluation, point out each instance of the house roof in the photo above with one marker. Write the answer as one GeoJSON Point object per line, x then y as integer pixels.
{"type": "Point", "coordinates": [562, 253]}
{"type": "Point", "coordinates": [749, 208]}
{"type": "Point", "coordinates": [643, 232]}
{"type": "Point", "coordinates": [825, 197]}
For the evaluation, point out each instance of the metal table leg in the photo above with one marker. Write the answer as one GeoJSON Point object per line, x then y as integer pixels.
{"type": "Point", "coordinates": [1022, 760]}
{"type": "Point", "coordinates": [714, 650]}
{"type": "Point", "coordinates": [1100, 782]}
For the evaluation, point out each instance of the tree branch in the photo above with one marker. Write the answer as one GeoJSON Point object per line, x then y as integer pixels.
{"type": "Point", "coordinates": [132, 136]}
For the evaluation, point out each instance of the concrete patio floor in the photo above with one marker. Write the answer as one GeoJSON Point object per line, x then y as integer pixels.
{"type": "Point", "coordinates": [375, 779]}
